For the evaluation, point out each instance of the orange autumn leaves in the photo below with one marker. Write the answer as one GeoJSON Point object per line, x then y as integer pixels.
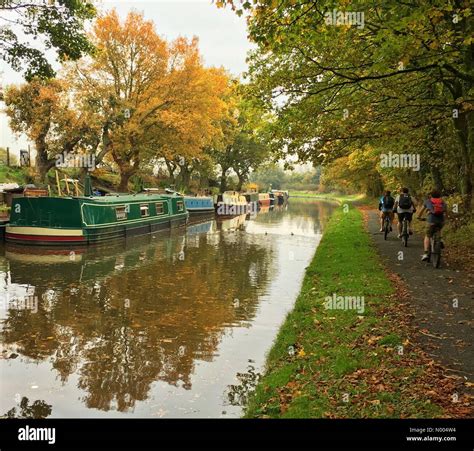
{"type": "Point", "coordinates": [158, 97]}
{"type": "Point", "coordinates": [138, 99]}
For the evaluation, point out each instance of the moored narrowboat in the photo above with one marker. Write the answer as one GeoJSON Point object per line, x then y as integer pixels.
{"type": "Point", "coordinates": [88, 220]}
{"type": "Point", "coordinates": [251, 197]}
{"type": "Point", "coordinates": [199, 204]}
{"type": "Point", "coordinates": [252, 202]}
{"type": "Point", "coordinates": [272, 198]}
{"type": "Point", "coordinates": [280, 197]}
{"type": "Point", "coordinates": [231, 203]}
{"type": "Point", "coordinates": [194, 204]}
{"type": "Point", "coordinates": [264, 199]}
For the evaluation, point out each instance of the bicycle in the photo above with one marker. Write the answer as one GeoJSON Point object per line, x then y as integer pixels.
{"type": "Point", "coordinates": [436, 247]}
{"type": "Point", "coordinates": [405, 232]}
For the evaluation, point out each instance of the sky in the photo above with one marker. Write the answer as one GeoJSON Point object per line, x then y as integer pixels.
{"type": "Point", "coordinates": [222, 40]}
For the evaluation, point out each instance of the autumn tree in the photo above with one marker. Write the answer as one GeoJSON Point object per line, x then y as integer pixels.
{"type": "Point", "coordinates": [151, 99]}
{"type": "Point", "coordinates": [197, 104]}
{"type": "Point", "coordinates": [43, 110]}
{"type": "Point", "coordinates": [121, 85]}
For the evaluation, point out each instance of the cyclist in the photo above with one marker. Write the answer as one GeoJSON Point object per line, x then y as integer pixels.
{"type": "Point", "coordinates": [386, 204]}
{"type": "Point", "coordinates": [404, 207]}
{"type": "Point", "coordinates": [436, 208]}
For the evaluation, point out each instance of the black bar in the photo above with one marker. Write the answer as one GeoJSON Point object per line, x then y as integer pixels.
{"type": "Point", "coordinates": [241, 434]}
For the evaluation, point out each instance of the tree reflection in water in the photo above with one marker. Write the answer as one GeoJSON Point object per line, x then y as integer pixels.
{"type": "Point", "coordinates": [124, 318]}
{"type": "Point", "coordinates": [38, 410]}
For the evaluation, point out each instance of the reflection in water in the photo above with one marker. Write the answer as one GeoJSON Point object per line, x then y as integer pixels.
{"type": "Point", "coordinates": [117, 327]}
{"type": "Point", "coordinates": [238, 394]}
{"type": "Point", "coordinates": [38, 410]}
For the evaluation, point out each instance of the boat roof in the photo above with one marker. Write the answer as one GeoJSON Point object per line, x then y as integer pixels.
{"type": "Point", "coordinates": [126, 197]}
{"type": "Point", "coordinates": [190, 196]}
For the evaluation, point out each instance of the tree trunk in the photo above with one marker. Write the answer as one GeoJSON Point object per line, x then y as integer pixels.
{"type": "Point", "coordinates": [171, 169]}
{"type": "Point", "coordinates": [224, 179]}
{"type": "Point", "coordinates": [106, 145]}
{"type": "Point", "coordinates": [42, 163]}
{"type": "Point", "coordinates": [374, 186]}
{"type": "Point", "coordinates": [466, 117]}
{"type": "Point", "coordinates": [437, 179]}
{"type": "Point", "coordinates": [241, 181]}
{"type": "Point", "coordinates": [465, 130]}
{"type": "Point", "coordinates": [184, 175]}
{"type": "Point", "coordinates": [124, 178]}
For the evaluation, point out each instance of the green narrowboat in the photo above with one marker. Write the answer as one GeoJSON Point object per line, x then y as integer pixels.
{"type": "Point", "coordinates": [88, 220]}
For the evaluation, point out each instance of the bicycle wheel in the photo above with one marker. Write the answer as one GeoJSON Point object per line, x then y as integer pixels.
{"type": "Point", "coordinates": [436, 252]}
{"type": "Point", "coordinates": [386, 229]}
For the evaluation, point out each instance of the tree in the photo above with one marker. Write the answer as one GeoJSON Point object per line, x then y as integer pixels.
{"type": "Point", "coordinates": [42, 110]}
{"type": "Point", "coordinates": [151, 99]}
{"type": "Point", "coordinates": [192, 122]}
{"type": "Point", "coordinates": [404, 72]}
{"type": "Point", "coordinates": [243, 146]}
{"type": "Point", "coordinates": [270, 175]}
{"type": "Point", "coordinates": [58, 23]}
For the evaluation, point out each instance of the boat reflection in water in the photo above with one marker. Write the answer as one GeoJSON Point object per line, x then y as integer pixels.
{"type": "Point", "coordinates": [234, 223]}
{"type": "Point", "coordinates": [157, 325]}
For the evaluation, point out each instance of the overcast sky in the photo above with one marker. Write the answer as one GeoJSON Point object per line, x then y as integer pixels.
{"type": "Point", "coordinates": [222, 37]}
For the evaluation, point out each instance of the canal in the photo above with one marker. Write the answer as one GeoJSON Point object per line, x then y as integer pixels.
{"type": "Point", "coordinates": [171, 325]}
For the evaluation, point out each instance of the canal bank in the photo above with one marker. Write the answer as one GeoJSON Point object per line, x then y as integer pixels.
{"type": "Point", "coordinates": [348, 348]}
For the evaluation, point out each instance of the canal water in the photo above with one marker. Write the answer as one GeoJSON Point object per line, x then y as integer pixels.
{"type": "Point", "coordinates": [172, 325]}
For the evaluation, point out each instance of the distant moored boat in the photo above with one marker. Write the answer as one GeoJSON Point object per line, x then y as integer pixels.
{"type": "Point", "coordinates": [280, 196]}
{"type": "Point", "coordinates": [231, 203]}
{"type": "Point", "coordinates": [264, 199]}
{"type": "Point", "coordinates": [199, 205]}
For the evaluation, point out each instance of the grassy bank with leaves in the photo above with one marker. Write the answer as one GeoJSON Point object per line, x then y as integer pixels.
{"type": "Point", "coordinates": [355, 199]}
{"type": "Point", "coordinates": [326, 196]}
{"type": "Point", "coordinates": [346, 363]}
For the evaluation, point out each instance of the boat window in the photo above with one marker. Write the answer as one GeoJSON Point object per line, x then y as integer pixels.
{"type": "Point", "coordinates": [180, 205]}
{"type": "Point", "coordinates": [159, 208]}
{"type": "Point", "coordinates": [144, 210]}
{"type": "Point", "coordinates": [121, 213]}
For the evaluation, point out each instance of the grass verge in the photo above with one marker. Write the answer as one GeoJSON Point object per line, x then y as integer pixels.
{"type": "Point", "coordinates": [341, 198]}
{"type": "Point", "coordinates": [347, 363]}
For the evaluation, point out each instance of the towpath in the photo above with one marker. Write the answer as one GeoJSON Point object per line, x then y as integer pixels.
{"type": "Point", "coordinates": [445, 325]}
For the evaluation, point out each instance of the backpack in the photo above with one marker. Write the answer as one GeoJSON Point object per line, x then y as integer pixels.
{"type": "Point", "coordinates": [388, 201]}
{"type": "Point", "coordinates": [405, 201]}
{"type": "Point", "coordinates": [438, 208]}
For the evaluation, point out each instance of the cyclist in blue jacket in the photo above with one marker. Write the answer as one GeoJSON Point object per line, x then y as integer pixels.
{"type": "Point", "coordinates": [386, 203]}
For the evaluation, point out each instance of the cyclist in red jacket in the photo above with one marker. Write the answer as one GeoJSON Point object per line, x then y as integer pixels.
{"type": "Point", "coordinates": [436, 208]}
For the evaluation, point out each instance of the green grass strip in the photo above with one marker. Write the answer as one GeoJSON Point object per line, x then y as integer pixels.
{"type": "Point", "coordinates": [345, 362]}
